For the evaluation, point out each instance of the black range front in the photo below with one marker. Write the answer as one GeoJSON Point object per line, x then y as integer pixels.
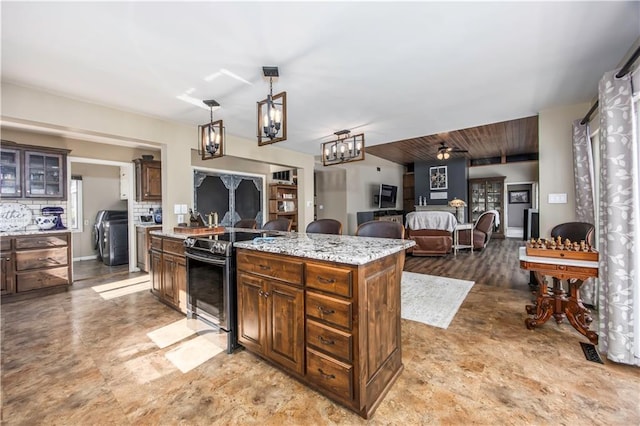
{"type": "Point", "coordinates": [211, 283]}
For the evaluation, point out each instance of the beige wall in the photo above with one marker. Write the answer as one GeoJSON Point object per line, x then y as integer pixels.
{"type": "Point", "coordinates": [525, 171]}
{"type": "Point", "coordinates": [363, 179]}
{"type": "Point", "coordinates": [331, 200]}
{"type": "Point", "coordinates": [39, 111]}
{"type": "Point", "coordinates": [556, 164]}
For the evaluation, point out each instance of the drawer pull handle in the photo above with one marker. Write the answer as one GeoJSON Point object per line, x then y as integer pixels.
{"type": "Point", "coordinates": [263, 293]}
{"type": "Point", "coordinates": [326, 341]}
{"type": "Point", "coordinates": [325, 375]}
{"type": "Point", "coordinates": [326, 280]}
{"type": "Point", "coordinates": [48, 259]}
{"type": "Point", "coordinates": [326, 311]}
{"type": "Point", "coordinates": [264, 267]}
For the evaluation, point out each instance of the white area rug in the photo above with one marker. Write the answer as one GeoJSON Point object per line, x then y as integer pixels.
{"type": "Point", "coordinates": [432, 300]}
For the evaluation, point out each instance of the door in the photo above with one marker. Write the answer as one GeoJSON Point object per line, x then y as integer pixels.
{"type": "Point", "coordinates": [251, 312]}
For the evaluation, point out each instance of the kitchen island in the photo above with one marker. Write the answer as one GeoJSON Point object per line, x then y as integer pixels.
{"type": "Point", "coordinates": [325, 309]}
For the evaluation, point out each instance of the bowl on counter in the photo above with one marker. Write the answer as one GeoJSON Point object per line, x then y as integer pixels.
{"type": "Point", "coordinates": [146, 218]}
{"type": "Point", "coordinates": [45, 222]}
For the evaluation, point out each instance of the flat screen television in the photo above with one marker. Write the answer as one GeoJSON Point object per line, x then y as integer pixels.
{"type": "Point", "coordinates": [387, 196]}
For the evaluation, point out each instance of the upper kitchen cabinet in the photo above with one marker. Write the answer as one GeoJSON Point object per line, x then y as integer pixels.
{"type": "Point", "coordinates": [32, 172]}
{"type": "Point", "coordinates": [148, 180]}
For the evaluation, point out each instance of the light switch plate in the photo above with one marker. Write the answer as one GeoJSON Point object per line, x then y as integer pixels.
{"type": "Point", "coordinates": [557, 198]}
{"type": "Point", "coordinates": [176, 209]}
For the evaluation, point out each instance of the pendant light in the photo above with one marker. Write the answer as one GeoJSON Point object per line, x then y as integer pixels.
{"type": "Point", "coordinates": [211, 135]}
{"type": "Point", "coordinates": [272, 113]}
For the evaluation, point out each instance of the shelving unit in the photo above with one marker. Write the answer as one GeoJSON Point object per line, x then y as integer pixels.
{"type": "Point", "coordinates": [283, 202]}
{"type": "Point", "coordinates": [487, 194]}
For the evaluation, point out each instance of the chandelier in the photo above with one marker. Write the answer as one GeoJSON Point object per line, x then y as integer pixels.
{"type": "Point", "coordinates": [272, 113]}
{"type": "Point", "coordinates": [211, 135]}
{"type": "Point", "coordinates": [344, 149]}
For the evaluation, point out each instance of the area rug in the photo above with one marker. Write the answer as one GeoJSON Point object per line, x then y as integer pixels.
{"type": "Point", "coordinates": [432, 300]}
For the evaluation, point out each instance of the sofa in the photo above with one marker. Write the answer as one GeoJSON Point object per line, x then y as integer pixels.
{"type": "Point", "coordinates": [432, 231]}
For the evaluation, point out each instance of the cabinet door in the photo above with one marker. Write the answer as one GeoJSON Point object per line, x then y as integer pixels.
{"type": "Point", "coordinates": [7, 274]}
{"type": "Point", "coordinates": [251, 312]}
{"type": "Point", "coordinates": [169, 274]}
{"type": "Point", "coordinates": [285, 329]}
{"type": "Point", "coordinates": [156, 272]}
{"type": "Point", "coordinates": [10, 176]}
{"type": "Point", "coordinates": [180, 283]}
{"type": "Point", "coordinates": [141, 248]}
{"type": "Point", "coordinates": [44, 175]}
{"type": "Point", "coordinates": [152, 181]}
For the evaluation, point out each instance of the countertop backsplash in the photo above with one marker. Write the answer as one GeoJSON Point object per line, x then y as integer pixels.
{"type": "Point", "coordinates": [35, 206]}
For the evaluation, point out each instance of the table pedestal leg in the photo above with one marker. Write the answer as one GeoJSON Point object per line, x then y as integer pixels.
{"type": "Point", "coordinates": [543, 309]}
{"type": "Point", "coordinates": [577, 314]}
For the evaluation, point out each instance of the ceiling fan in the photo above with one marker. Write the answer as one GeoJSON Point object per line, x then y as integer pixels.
{"type": "Point", "coordinates": [444, 151]}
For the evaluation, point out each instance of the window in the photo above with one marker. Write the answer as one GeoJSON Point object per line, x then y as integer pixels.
{"type": "Point", "coordinates": [75, 198]}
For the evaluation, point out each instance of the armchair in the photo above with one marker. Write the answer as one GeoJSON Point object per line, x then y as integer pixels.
{"type": "Point", "coordinates": [482, 230]}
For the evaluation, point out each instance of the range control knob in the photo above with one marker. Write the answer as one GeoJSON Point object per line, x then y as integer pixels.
{"type": "Point", "coordinates": [189, 242]}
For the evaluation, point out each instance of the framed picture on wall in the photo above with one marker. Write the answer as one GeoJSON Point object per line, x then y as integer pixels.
{"type": "Point", "coordinates": [438, 177]}
{"type": "Point", "coordinates": [519, 197]}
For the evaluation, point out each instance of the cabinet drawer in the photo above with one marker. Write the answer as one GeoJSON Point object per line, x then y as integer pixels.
{"type": "Point", "coordinates": [286, 270]}
{"type": "Point", "coordinates": [156, 243]}
{"type": "Point", "coordinates": [329, 279]}
{"type": "Point", "coordinates": [40, 242]}
{"type": "Point", "coordinates": [330, 340]}
{"type": "Point", "coordinates": [328, 309]}
{"type": "Point", "coordinates": [5, 244]}
{"type": "Point", "coordinates": [330, 374]}
{"type": "Point", "coordinates": [33, 259]}
{"type": "Point", "coordinates": [43, 278]}
{"type": "Point", "coordinates": [173, 247]}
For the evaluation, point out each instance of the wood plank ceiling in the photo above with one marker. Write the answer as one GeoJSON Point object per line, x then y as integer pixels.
{"type": "Point", "coordinates": [507, 138]}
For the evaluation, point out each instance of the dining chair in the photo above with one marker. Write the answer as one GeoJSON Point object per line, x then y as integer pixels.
{"type": "Point", "coordinates": [324, 226]}
{"type": "Point", "coordinates": [246, 223]}
{"type": "Point", "coordinates": [280, 224]}
{"type": "Point", "coordinates": [381, 229]}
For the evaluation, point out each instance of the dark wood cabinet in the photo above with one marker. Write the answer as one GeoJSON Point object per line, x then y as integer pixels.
{"type": "Point", "coordinates": [29, 171]}
{"type": "Point", "coordinates": [143, 245]}
{"type": "Point", "coordinates": [31, 263]}
{"type": "Point", "coordinates": [169, 271]}
{"type": "Point", "coordinates": [333, 326]}
{"type": "Point", "coordinates": [7, 270]}
{"type": "Point", "coordinates": [271, 318]}
{"type": "Point", "coordinates": [487, 194]}
{"type": "Point", "coordinates": [148, 180]}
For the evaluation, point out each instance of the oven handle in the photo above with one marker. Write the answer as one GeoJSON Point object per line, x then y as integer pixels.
{"type": "Point", "coordinates": [206, 259]}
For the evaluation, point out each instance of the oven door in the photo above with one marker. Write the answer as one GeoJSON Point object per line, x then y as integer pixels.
{"type": "Point", "coordinates": [208, 289]}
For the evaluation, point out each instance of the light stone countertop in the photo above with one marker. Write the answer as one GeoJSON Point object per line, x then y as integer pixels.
{"type": "Point", "coordinates": [33, 232]}
{"type": "Point", "coordinates": [333, 248]}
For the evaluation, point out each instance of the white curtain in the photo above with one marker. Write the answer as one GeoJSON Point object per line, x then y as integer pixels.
{"type": "Point", "coordinates": [583, 171]}
{"type": "Point", "coordinates": [619, 233]}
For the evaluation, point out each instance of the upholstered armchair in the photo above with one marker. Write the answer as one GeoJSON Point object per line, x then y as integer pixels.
{"type": "Point", "coordinates": [482, 230]}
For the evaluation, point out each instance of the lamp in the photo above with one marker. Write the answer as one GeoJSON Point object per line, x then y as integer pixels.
{"type": "Point", "coordinates": [272, 113]}
{"type": "Point", "coordinates": [344, 149]}
{"type": "Point", "coordinates": [443, 153]}
{"type": "Point", "coordinates": [211, 135]}
{"type": "Point", "coordinates": [458, 203]}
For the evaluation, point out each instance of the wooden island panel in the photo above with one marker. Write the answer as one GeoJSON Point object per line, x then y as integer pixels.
{"type": "Point", "coordinates": [339, 334]}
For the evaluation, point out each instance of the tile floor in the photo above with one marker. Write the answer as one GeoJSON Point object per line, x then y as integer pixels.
{"type": "Point", "coordinates": [77, 358]}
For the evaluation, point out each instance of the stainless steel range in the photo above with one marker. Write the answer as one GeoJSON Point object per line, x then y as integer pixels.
{"type": "Point", "coordinates": [211, 281]}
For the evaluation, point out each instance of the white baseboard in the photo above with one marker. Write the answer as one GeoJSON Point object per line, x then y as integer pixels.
{"type": "Point", "coordinates": [76, 259]}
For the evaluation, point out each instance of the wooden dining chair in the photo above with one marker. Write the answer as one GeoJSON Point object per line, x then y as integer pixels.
{"type": "Point", "coordinates": [281, 224]}
{"type": "Point", "coordinates": [324, 226]}
{"type": "Point", "coordinates": [381, 229]}
{"type": "Point", "coordinates": [246, 223]}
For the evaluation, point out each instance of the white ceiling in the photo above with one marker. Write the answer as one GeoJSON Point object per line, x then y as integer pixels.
{"type": "Point", "coordinates": [391, 70]}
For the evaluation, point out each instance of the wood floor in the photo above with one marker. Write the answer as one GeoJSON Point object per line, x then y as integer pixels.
{"type": "Point", "coordinates": [79, 358]}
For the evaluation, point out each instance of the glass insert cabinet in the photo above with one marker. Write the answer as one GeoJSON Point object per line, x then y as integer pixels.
{"type": "Point", "coordinates": [32, 172]}
{"type": "Point", "coordinates": [487, 194]}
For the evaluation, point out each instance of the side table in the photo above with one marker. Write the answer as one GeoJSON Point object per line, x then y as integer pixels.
{"type": "Point", "coordinates": [456, 237]}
